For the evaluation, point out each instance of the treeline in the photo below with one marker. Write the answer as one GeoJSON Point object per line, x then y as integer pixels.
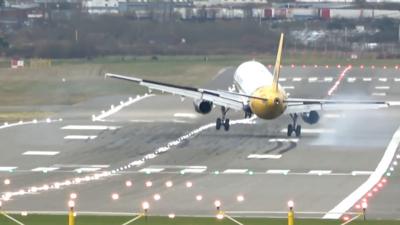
{"type": "Point", "coordinates": [110, 35]}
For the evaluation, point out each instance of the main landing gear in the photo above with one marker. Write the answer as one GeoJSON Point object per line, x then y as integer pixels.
{"type": "Point", "coordinates": [294, 127]}
{"type": "Point", "coordinates": [223, 121]}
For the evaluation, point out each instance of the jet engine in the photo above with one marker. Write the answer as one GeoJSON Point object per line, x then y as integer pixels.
{"type": "Point", "coordinates": [311, 118]}
{"type": "Point", "coordinates": [202, 106]}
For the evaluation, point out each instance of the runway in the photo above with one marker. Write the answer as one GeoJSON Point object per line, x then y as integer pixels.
{"type": "Point", "coordinates": [96, 147]}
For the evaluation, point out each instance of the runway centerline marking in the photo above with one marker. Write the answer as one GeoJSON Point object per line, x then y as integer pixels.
{"type": "Point", "coordinates": [263, 156]}
{"type": "Point", "coordinates": [383, 79]}
{"type": "Point", "coordinates": [381, 94]}
{"type": "Point", "coordinates": [7, 168]}
{"type": "Point", "coordinates": [193, 170]}
{"type": "Point", "coordinates": [357, 173]}
{"type": "Point", "coordinates": [297, 79]}
{"type": "Point", "coordinates": [235, 171]}
{"type": "Point", "coordinates": [80, 137]}
{"type": "Point", "coordinates": [312, 79]}
{"type": "Point", "coordinates": [284, 172]}
{"type": "Point", "coordinates": [396, 79]}
{"type": "Point", "coordinates": [151, 170]}
{"type": "Point", "coordinates": [382, 87]}
{"type": "Point", "coordinates": [372, 180]}
{"type": "Point", "coordinates": [351, 79]}
{"type": "Point", "coordinates": [87, 169]}
{"type": "Point", "coordinates": [88, 127]}
{"type": "Point", "coordinates": [41, 153]}
{"type": "Point", "coordinates": [367, 79]}
{"type": "Point", "coordinates": [44, 169]}
{"type": "Point", "coordinates": [283, 140]}
{"type": "Point", "coordinates": [288, 87]}
{"type": "Point", "coordinates": [186, 115]}
{"type": "Point", "coordinates": [320, 172]}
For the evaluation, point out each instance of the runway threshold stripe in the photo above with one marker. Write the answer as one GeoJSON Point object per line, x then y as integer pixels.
{"type": "Point", "coordinates": [375, 178]}
{"type": "Point", "coordinates": [235, 171]}
{"type": "Point", "coordinates": [41, 153]}
{"type": "Point", "coordinates": [263, 156]}
{"type": "Point", "coordinates": [89, 127]}
{"type": "Point", "coordinates": [80, 137]}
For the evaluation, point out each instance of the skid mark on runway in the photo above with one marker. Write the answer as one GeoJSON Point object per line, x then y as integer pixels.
{"type": "Point", "coordinates": [369, 184]}
{"type": "Point", "coordinates": [291, 146]}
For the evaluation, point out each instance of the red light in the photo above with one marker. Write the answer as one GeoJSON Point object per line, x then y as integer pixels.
{"type": "Point", "coordinates": [364, 199]}
{"type": "Point", "coordinates": [304, 66]}
{"type": "Point", "coordinates": [269, 66]}
{"type": "Point", "coordinates": [380, 185]}
{"type": "Point", "coordinates": [292, 65]}
{"type": "Point", "coordinates": [327, 66]}
{"type": "Point", "coordinates": [358, 206]}
{"type": "Point", "coordinates": [315, 66]}
{"type": "Point", "coordinates": [375, 189]}
{"type": "Point", "coordinates": [362, 67]}
{"type": "Point", "coordinates": [346, 218]}
{"type": "Point", "coordinates": [384, 67]}
{"type": "Point", "coordinates": [372, 67]}
{"type": "Point", "coordinates": [396, 67]}
{"type": "Point", "coordinates": [384, 180]}
{"type": "Point", "coordinates": [370, 194]}
{"type": "Point", "coordinates": [338, 66]}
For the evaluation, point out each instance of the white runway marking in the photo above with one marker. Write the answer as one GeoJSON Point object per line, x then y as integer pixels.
{"type": "Point", "coordinates": [397, 79]}
{"type": "Point", "coordinates": [383, 79]}
{"type": "Point", "coordinates": [351, 79]}
{"type": "Point", "coordinates": [41, 153]}
{"type": "Point", "coordinates": [358, 173]}
{"type": "Point", "coordinates": [80, 137]}
{"type": "Point", "coordinates": [375, 178]}
{"type": "Point", "coordinates": [235, 171]}
{"type": "Point", "coordinates": [151, 170]}
{"type": "Point", "coordinates": [378, 94]}
{"type": "Point", "coordinates": [282, 79]}
{"type": "Point", "coordinates": [45, 169]}
{"type": "Point", "coordinates": [81, 165]}
{"type": "Point", "coordinates": [320, 172]}
{"type": "Point", "coordinates": [283, 140]}
{"type": "Point", "coordinates": [264, 156]}
{"type": "Point", "coordinates": [7, 168]}
{"type": "Point", "coordinates": [313, 131]}
{"type": "Point", "coordinates": [297, 79]}
{"type": "Point", "coordinates": [333, 115]}
{"type": "Point", "coordinates": [87, 169]}
{"type": "Point", "coordinates": [382, 87]}
{"type": "Point", "coordinates": [88, 127]}
{"type": "Point", "coordinates": [284, 172]}
{"type": "Point", "coordinates": [116, 109]}
{"type": "Point", "coordinates": [367, 79]}
{"type": "Point", "coordinates": [312, 79]}
{"type": "Point", "coordinates": [394, 103]}
{"type": "Point", "coordinates": [186, 115]}
{"type": "Point", "coordinates": [193, 170]}
{"type": "Point", "coordinates": [328, 79]}
{"type": "Point", "coordinates": [288, 87]}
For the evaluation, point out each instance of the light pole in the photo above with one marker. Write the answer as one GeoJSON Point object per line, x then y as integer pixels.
{"type": "Point", "coordinates": [290, 213]}
{"type": "Point", "coordinates": [364, 206]}
{"type": "Point", "coordinates": [145, 206]}
{"type": "Point", "coordinates": [71, 217]}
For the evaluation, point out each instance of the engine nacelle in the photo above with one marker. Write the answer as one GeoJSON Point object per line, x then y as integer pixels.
{"type": "Point", "coordinates": [202, 106]}
{"type": "Point", "coordinates": [311, 118]}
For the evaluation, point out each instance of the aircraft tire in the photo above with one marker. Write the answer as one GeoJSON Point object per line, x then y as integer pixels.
{"type": "Point", "coordinates": [298, 131]}
{"type": "Point", "coordinates": [289, 130]}
{"type": "Point", "coordinates": [218, 124]}
{"type": "Point", "coordinates": [227, 125]}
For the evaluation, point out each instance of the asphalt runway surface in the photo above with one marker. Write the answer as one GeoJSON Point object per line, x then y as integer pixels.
{"type": "Point", "coordinates": [165, 150]}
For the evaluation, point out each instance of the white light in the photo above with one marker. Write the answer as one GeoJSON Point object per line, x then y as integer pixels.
{"type": "Point", "coordinates": [199, 197]}
{"type": "Point", "coordinates": [189, 184]}
{"type": "Point", "coordinates": [73, 196]}
{"type": "Point", "coordinates": [34, 189]}
{"type": "Point", "coordinates": [115, 196]}
{"type": "Point", "coordinates": [71, 203]}
{"type": "Point", "coordinates": [364, 205]}
{"type": "Point", "coordinates": [128, 183]}
{"type": "Point", "coordinates": [220, 216]}
{"type": "Point", "coordinates": [240, 198]}
{"type": "Point", "coordinates": [149, 183]}
{"type": "Point", "coordinates": [169, 184]}
{"type": "Point", "coordinates": [290, 204]}
{"type": "Point", "coordinates": [398, 156]}
{"type": "Point", "coordinates": [171, 215]}
{"type": "Point", "coordinates": [157, 197]}
{"type": "Point", "coordinates": [217, 203]}
{"type": "Point", "coordinates": [145, 205]}
{"type": "Point", "coordinates": [24, 213]}
{"type": "Point", "coordinates": [395, 163]}
{"type": "Point", "coordinates": [1, 204]}
{"type": "Point", "coordinates": [7, 182]}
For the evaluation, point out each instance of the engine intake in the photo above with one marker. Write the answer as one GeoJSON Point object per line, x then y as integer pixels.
{"type": "Point", "coordinates": [311, 118]}
{"type": "Point", "coordinates": [202, 106]}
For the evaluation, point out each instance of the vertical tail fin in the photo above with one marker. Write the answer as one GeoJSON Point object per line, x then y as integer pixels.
{"type": "Point", "coordinates": [277, 68]}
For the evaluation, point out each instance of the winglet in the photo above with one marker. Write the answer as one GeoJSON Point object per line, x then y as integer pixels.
{"type": "Point", "coordinates": [277, 67]}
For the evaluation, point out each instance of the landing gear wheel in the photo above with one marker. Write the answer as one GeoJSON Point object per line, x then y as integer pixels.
{"type": "Point", "coordinates": [226, 125]}
{"type": "Point", "coordinates": [218, 124]}
{"type": "Point", "coordinates": [298, 131]}
{"type": "Point", "coordinates": [289, 130]}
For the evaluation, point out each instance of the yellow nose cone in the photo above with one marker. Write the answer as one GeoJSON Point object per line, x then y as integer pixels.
{"type": "Point", "coordinates": [273, 107]}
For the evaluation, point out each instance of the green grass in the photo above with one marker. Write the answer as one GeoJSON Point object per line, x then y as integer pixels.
{"type": "Point", "coordinates": [118, 220]}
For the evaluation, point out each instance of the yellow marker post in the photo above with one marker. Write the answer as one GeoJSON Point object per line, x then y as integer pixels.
{"type": "Point", "coordinates": [291, 213]}
{"type": "Point", "coordinates": [71, 217]}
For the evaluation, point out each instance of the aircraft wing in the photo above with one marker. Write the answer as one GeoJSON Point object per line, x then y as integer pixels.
{"type": "Point", "coordinates": [297, 105]}
{"type": "Point", "coordinates": [223, 98]}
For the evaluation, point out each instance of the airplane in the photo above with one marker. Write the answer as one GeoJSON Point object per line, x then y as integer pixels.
{"type": "Point", "coordinates": [256, 92]}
